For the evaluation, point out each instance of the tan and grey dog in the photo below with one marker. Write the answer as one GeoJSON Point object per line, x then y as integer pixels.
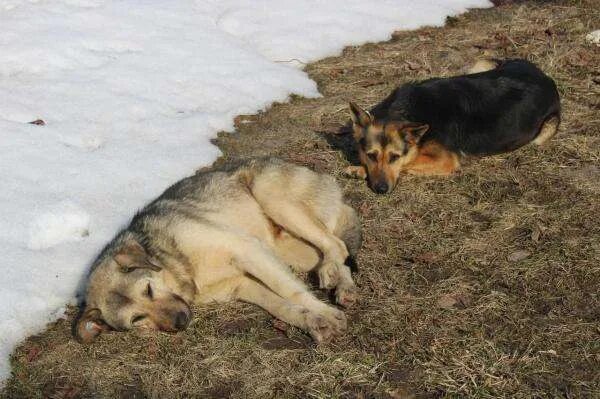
{"type": "Point", "coordinates": [228, 235]}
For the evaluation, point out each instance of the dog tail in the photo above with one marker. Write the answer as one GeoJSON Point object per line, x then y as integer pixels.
{"type": "Point", "coordinates": [349, 231]}
{"type": "Point", "coordinates": [484, 64]}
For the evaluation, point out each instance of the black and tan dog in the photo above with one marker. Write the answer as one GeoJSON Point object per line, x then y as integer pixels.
{"type": "Point", "coordinates": [424, 128]}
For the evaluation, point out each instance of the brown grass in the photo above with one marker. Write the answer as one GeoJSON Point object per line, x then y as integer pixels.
{"type": "Point", "coordinates": [481, 285]}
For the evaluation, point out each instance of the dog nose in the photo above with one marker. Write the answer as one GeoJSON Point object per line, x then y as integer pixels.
{"type": "Point", "coordinates": [381, 187]}
{"type": "Point", "coordinates": [181, 320]}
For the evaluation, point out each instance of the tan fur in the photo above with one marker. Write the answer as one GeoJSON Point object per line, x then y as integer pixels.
{"type": "Point", "coordinates": [482, 65]}
{"type": "Point", "coordinates": [386, 151]}
{"type": "Point", "coordinates": [251, 226]}
{"type": "Point", "coordinates": [356, 172]}
{"type": "Point", "coordinates": [383, 168]}
{"type": "Point", "coordinates": [430, 160]}
{"type": "Point", "coordinates": [548, 130]}
{"type": "Point", "coordinates": [433, 160]}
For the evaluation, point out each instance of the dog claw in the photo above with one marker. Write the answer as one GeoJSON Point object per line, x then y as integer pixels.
{"type": "Point", "coordinates": [328, 276]}
{"type": "Point", "coordinates": [355, 172]}
{"type": "Point", "coordinates": [346, 295]}
{"type": "Point", "coordinates": [323, 327]}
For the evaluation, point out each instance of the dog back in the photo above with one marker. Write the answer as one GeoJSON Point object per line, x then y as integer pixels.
{"type": "Point", "coordinates": [483, 113]}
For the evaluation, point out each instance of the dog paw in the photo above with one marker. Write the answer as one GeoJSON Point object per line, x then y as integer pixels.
{"type": "Point", "coordinates": [329, 275]}
{"type": "Point", "coordinates": [355, 172]}
{"type": "Point", "coordinates": [324, 326]}
{"type": "Point", "coordinates": [346, 295]}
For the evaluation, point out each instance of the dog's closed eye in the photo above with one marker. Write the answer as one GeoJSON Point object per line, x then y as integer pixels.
{"type": "Point", "coordinates": [137, 319]}
{"type": "Point", "coordinates": [393, 158]}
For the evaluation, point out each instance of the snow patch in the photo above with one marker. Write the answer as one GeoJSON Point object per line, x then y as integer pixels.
{"type": "Point", "coordinates": [593, 37]}
{"type": "Point", "coordinates": [65, 221]}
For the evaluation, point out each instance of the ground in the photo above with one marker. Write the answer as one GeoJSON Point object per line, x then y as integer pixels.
{"type": "Point", "coordinates": [481, 285]}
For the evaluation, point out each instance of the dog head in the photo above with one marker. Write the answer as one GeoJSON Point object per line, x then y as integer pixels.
{"type": "Point", "coordinates": [130, 289]}
{"type": "Point", "coordinates": [384, 148]}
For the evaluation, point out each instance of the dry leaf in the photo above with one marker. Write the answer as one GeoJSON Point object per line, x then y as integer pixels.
{"type": "Point", "coordinates": [519, 255]}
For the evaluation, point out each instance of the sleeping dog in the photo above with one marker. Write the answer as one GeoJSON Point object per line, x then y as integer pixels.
{"type": "Point", "coordinates": [424, 128]}
{"type": "Point", "coordinates": [224, 235]}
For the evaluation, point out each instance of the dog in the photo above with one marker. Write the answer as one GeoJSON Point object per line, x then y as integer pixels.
{"type": "Point", "coordinates": [425, 128]}
{"type": "Point", "coordinates": [229, 234]}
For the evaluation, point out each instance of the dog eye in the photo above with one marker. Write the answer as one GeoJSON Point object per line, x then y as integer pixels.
{"type": "Point", "coordinates": [149, 291]}
{"type": "Point", "coordinates": [393, 158]}
{"type": "Point", "coordinates": [137, 319]}
{"type": "Point", "coordinates": [372, 156]}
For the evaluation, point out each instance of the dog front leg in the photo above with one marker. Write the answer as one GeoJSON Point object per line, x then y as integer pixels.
{"type": "Point", "coordinates": [356, 172]}
{"type": "Point", "coordinates": [434, 160]}
{"type": "Point", "coordinates": [259, 261]}
{"type": "Point", "coordinates": [320, 326]}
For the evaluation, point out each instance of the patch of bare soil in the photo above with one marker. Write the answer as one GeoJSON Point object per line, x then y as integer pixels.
{"type": "Point", "coordinates": [481, 285]}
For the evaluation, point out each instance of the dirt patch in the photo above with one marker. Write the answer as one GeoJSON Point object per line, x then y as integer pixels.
{"type": "Point", "coordinates": [281, 343]}
{"type": "Point", "coordinates": [481, 285]}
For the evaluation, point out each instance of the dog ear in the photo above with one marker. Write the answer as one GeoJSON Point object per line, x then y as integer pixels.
{"type": "Point", "coordinates": [414, 131]}
{"type": "Point", "coordinates": [360, 117]}
{"type": "Point", "coordinates": [89, 325]}
{"type": "Point", "coordinates": [133, 256]}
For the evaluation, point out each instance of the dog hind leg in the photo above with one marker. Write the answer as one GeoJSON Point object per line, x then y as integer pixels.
{"type": "Point", "coordinates": [300, 221]}
{"type": "Point", "coordinates": [348, 228]}
{"type": "Point", "coordinates": [548, 130]}
{"type": "Point", "coordinates": [309, 206]}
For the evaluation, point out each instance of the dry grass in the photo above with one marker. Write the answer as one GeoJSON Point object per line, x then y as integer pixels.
{"type": "Point", "coordinates": [482, 285]}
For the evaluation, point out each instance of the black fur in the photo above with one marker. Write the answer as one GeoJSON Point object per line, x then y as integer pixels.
{"type": "Point", "coordinates": [351, 263]}
{"type": "Point", "coordinates": [484, 113]}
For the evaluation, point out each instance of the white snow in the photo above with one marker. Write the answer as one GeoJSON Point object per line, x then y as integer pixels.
{"type": "Point", "coordinates": [63, 222]}
{"type": "Point", "coordinates": [131, 93]}
{"type": "Point", "coordinates": [593, 37]}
